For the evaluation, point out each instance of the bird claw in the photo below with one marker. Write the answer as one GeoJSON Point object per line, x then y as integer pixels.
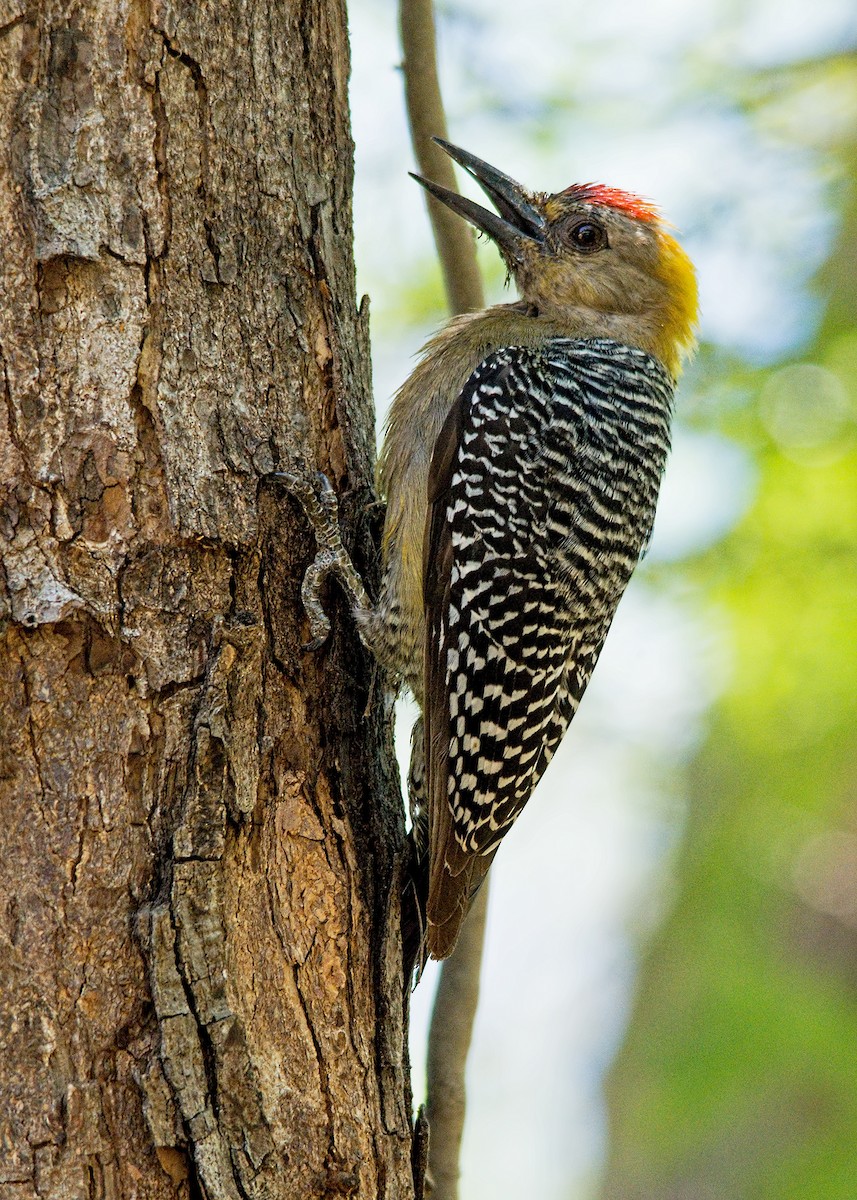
{"type": "Point", "coordinates": [314, 578]}
{"type": "Point", "coordinates": [320, 504]}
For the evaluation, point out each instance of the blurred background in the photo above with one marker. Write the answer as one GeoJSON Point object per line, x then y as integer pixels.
{"type": "Point", "coordinates": [669, 998]}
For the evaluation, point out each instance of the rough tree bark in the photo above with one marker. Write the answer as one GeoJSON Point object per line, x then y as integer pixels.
{"type": "Point", "coordinates": [203, 840]}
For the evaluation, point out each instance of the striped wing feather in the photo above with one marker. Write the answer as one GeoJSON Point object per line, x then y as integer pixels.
{"type": "Point", "coordinates": [451, 869]}
{"type": "Point", "coordinates": [541, 497]}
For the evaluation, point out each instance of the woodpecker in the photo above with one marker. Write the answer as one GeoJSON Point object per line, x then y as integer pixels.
{"type": "Point", "coordinates": [521, 469]}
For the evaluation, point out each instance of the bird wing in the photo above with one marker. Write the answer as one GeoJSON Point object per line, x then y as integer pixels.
{"type": "Point", "coordinates": [542, 492]}
{"type": "Point", "coordinates": [496, 667]}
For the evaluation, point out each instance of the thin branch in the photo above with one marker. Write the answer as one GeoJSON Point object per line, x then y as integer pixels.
{"type": "Point", "coordinates": [449, 1042]}
{"type": "Point", "coordinates": [455, 241]}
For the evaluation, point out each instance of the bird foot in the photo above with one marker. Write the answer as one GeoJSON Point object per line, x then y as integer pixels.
{"type": "Point", "coordinates": [318, 500]}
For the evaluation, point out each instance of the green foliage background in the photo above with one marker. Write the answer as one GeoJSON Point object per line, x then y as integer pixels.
{"type": "Point", "coordinates": [738, 1076]}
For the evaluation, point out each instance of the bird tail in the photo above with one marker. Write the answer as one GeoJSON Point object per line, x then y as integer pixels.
{"type": "Point", "coordinates": [414, 924]}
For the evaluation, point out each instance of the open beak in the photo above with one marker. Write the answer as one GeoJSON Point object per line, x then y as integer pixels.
{"type": "Point", "coordinates": [519, 221]}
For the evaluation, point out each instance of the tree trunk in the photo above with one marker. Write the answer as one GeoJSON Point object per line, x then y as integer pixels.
{"type": "Point", "coordinates": [203, 841]}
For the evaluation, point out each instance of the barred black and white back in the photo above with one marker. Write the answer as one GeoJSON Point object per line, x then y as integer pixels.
{"type": "Point", "coordinates": [542, 495]}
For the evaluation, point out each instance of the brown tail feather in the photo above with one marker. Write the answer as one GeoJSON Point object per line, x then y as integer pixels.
{"type": "Point", "coordinates": [456, 877]}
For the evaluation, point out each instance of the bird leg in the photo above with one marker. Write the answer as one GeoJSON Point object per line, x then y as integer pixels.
{"type": "Point", "coordinates": [319, 502]}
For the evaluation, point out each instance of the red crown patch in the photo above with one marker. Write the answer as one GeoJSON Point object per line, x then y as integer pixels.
{"type": "Point", "coordinates": [627, 202]}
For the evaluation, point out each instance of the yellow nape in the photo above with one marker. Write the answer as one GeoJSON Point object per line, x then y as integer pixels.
{"type": "Point", "coordinates": [676, 339]}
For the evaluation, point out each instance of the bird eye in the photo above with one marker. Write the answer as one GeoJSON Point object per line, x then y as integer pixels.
{"type": "Point", "coordinates": [587, 236]}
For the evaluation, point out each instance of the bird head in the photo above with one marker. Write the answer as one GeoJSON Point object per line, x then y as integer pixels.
{"type": "Point", "coordinates": [595, 259]}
